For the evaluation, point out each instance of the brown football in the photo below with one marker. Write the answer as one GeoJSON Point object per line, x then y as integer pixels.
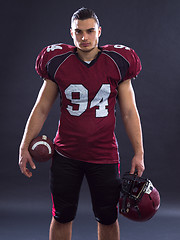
{"type": "Point", "coordinates": [41, 148]}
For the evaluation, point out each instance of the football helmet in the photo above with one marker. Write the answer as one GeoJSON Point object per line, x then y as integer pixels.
{"type": "Point", "coordinates": [139, 199]}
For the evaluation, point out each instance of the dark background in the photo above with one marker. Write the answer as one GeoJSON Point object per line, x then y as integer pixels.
{"type": "Point", "coordinates": [149, 27]}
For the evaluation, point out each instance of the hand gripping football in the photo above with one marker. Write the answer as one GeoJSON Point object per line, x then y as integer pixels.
{"type": "Point", "coordinates": [41, 148]}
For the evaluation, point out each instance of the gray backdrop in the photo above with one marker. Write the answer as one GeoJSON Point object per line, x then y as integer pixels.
{"type": "Point", "coordinates": [149, 27]}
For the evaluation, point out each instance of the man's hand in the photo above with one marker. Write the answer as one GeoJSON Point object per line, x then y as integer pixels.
{"type": "Point", "coordinates": [46, 97]}
{"type": "Point", "coordinates": [137, 164]}
{"type": "Point", "coordinates": [24, 158]}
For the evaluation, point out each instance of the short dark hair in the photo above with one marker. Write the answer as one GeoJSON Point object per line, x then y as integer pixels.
{"type": "Point", "coordinates": [83, 14]}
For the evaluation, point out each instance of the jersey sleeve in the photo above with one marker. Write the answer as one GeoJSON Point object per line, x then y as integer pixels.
{"type": "Point", "coordinates": [41, 63]}
{"type": "Point", "coordinates": [125, 59]}
{"type": "Point", "coordinates": [134, 65]}
{"type": "Point", "coordinates": [47, 54]}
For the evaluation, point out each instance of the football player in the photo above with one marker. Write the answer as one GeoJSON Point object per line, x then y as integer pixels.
{"type": "Point", "coordinates": [88, 78]}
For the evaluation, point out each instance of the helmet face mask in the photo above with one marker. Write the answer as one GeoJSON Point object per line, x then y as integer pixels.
{"type": "Point", "coordinates": [139, 199]}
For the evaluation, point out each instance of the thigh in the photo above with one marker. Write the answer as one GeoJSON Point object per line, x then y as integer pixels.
{"type": "Point", "coordinates": [65, 180]}
{"type": "Point", "coordinates": [104, 184]}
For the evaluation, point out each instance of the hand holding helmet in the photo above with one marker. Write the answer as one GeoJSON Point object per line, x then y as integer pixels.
{"type": "Point", "coordinates": [139, 199]}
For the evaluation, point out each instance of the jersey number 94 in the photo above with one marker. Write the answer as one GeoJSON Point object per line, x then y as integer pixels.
{"type": "Point", "coordinates": [100, 99]}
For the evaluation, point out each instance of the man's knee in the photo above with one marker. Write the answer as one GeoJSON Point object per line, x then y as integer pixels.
{"type": "Point", "coordinates": [106, 215]}
{"type": "Point", "coordinates": [66, 215]}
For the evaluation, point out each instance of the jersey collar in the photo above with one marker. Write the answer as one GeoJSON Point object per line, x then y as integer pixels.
{"type": "Point", "coordinates": [92, 62]}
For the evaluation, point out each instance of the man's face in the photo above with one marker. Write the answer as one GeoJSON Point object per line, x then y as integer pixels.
{"type": "Point", "coordinates": [85, 34]}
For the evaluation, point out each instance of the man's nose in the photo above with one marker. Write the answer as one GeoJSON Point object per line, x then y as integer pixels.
{"type": "Point", "coordinates": [84, 36]}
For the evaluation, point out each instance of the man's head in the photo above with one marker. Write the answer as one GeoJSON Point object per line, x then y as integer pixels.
{"type": "Point", "coordinates": [85, 29]}
{"type": "Point", "coordinates": [83, 14]}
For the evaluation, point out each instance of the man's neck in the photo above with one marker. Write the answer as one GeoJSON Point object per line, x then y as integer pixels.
{"type": "Point", "coordinates": [89, 55]}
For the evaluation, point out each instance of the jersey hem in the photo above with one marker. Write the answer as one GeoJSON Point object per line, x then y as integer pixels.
{"type": "Point", "coordinates": [90, 161]}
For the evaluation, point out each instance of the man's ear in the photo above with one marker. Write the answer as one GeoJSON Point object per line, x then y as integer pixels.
{"type": "Point", "coordinates": [99, 31]}
{"type": "Point", "coordinates": [71, 32]}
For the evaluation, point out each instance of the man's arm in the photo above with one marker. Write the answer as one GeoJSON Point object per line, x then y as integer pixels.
{"type": "Point", "coordinates": [39, 113]}
{"type": "Point", "coordinates": [132, 124]}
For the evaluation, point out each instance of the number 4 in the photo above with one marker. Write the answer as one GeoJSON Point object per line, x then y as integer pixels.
{"type": "Point", "coordinates": [101, 100]}
{"type": "Point", "coordinates": [53, 47]}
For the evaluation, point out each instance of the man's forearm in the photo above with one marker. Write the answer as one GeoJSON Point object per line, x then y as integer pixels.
{"type": "Point", "coordinates": [134, 131]}
{"type": "Point", "coordinates": [33, 127]}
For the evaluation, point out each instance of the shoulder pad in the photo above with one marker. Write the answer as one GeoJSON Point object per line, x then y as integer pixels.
{"type": "Point", "coordinates": [47, 54]}
{"type": "Point", "coordinates": [129, 55]}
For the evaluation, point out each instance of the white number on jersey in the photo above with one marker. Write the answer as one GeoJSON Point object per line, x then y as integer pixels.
{"type": "Point", "coordinates": [121, 46]}
{"type": "Point", "coordinates": [53, 47]}
{"type": "Point", "coordinates": [100, 100]}
{"type": "Point", "coordinates": [82, 101]}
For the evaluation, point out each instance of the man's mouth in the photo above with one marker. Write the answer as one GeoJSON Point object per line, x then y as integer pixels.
{"type": "Point", "coordinates": [85, 44]}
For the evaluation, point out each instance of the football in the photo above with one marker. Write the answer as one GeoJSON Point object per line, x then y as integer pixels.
{"type": "Point", "coordinates": [41, 148]}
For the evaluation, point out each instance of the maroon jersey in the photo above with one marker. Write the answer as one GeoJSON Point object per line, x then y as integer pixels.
{"type": "Point", "coordinates": [88, 96]}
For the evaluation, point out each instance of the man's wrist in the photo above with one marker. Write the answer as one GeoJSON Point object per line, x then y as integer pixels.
{"type": "Point", "coordinates": [139, 153]}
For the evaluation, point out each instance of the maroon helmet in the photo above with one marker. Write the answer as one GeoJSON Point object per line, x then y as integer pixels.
{"type": "Point", "coordinates": [139, 199]}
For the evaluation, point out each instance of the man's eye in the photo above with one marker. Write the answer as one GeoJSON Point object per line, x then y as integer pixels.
{"type": "Point", "coordinates": [90, 30]}
{"type": "Point", "coordinates": [78, 31]}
